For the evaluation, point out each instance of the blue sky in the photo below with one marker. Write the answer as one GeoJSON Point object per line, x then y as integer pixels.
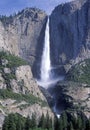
{"type": "Point", "coordinates": [10, 6]}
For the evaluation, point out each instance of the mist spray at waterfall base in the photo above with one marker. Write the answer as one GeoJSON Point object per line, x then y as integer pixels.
{"type": "Point", "coordinates": [47, 79]}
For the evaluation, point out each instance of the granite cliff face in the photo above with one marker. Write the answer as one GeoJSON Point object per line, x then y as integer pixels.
{"type": "Point", "coordinates": [23, 35]}
{"type": "Point", "coordinates": [70, 46]}
{"type": "Point", "coordinates": [70, 32]}
{"type": "Point", "coordinates": [19, 93]}
{"type": "Point", "coordinates": [19, 34]}
{"type": "Point", "coordinates": [72, 96]}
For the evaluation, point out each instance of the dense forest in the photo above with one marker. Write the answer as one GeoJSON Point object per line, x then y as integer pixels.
{"type": "Point", "coordinates": [66, 122]}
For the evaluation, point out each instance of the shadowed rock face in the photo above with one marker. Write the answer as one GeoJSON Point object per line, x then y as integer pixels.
{"type": "Point", "coordinates": [72, 95]}
{"type": "Point", "coordinates": [23, 95]}
{"type": "Point", "coordinates": [70, 32]}
{"type": "Point", "coordinates": [70, 43]}
{"type": "Point", "coordinates": [21, 33]}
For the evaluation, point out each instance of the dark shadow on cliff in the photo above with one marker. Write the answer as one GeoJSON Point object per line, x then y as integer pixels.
{"type": "Point", "coordinates": [39, 50]}
{"type": "Point", "coordinates": [59, 99]}
{"type": "Point", "coordinates": [68, 33]}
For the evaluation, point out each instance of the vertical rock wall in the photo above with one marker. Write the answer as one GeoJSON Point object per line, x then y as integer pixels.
{"type": "Point", "coordinates": [70, 32]}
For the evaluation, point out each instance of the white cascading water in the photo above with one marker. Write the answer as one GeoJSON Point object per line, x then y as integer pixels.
{"type": "Point", "coordinates": [46, 78]}
{"type": "Point", "coordinates": [45, 64]}
{"type": "Point", "coordinates": [46, 75]}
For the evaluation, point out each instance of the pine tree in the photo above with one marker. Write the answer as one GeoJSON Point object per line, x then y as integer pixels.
{"type": "Point", "coordinates": [79, 122]}
{"type": "Point", "coordinates": [12, 125]}
{"type": "Point", "coordinates": [48, 123]}
{"type": "Point", "coordinates": [27, 123]}
{"type": "Point", "coordinates": [19, 124]}
{"type": "Point", "coordinates": [88, 124]}
{"type": "Point", "coordinates": [56, 124]}
{"type": "Point", "coordinates": [60, 124]}
{"type": "Point", "coordinates": [71, 126]}
{"type": "Point", "coordinates": [33, 121]}
{"type": "Point", "coordinates": [64, 120]}
{"type": "Point", "coordinates": [6, 123]}
{"type": "Point", "coordinates": [42, 122]}
{"type": "Point", "coordinates": [83, 122]}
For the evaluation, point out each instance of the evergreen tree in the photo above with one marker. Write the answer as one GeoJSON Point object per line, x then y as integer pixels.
{"type": "Point", "coordinates": [19, 125]}
{"type": "Point", "coordinates": [79, 123]}
{"type": "Point", "coordinates": [6, 123]}
{"type": "Point", "coordinates": [42, 122]}
{"type": "Point", "coordinates": [83, 122]}
{"type": "Point", "coordinates": [88, 124]}
{"type": "Point", "coordinates": [60, 124]}
{"type": "Point", "coordinates": [70, 126]}
{"type": "Point", "coordinates": [74, 122]}
{"type": "Point", "coordinates": [56, 124]}
{"type": "Point", "coordinates": [48, 123]}
{"type": "Point", "coordinates": [64, 120]}
{"type": "Point", "coordinates": [27, 123]}
{"type": "Point", "coordinates": [12, 125]}
{"type": "Point", "coordinates": [33, 121]}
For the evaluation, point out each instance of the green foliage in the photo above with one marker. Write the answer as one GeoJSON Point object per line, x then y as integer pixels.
{"type": "Point", "coordinates": [62, 123]}
{"type": "Point", "coordinates": [13, 61]}
{"type": "Point", "coordinates": [80, 72]}
{"type": "Point", "coordinates": [64, 119]}
{"type": "Point", "coordinates": [7, 77]}
{"type": "Point", "coordinates": [27, 123]}
{"type": "Point", "coordinates": [68, 121]}
{"type": "Point", "coordinates": [33, 121]}
{"type": "Point", "coordinates": [17, 122]}
{"type": "Point", "coordinates": [70, 126]}
{"type": "Point", "coordinates": [6, 123]}
{"type": "Point", "coordinates": [6, 20]}
{"type": "Point", "coordinates": [42, 122]}
{"type": "Point", "coordinates": [65, 122]}
{"type": "Point", "coordinates": [23, 106]}
{"type": "Point", "coordinates": [14, 122]}
{"type": "Point", "coordinates": [29, 98]}
{"type": "Point", "coordinates": [9, 61]}
{"type": "Point", "coordinates": [45, 122]}
{"type": "Point", "coordinates": [10, 76]}
{"type": "Point", "coordinates": [44, 103]}
{"type": "Point", "coordinates": [48, 122]}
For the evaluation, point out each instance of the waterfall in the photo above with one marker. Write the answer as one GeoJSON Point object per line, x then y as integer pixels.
{"type": "Point", "coordinates": [45, 60]}
{"type": "Point", "coordinates": [46, 76]}
{"type": "Point", "coordinates": [45, 63]}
